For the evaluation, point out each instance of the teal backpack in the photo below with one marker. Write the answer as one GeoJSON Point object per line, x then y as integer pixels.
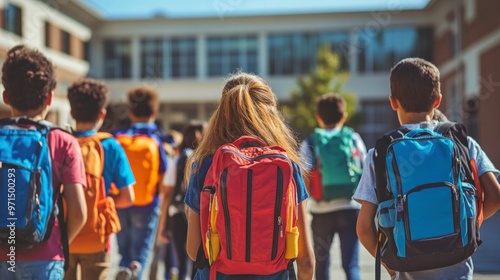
{"type": "Point", "coordinates": [335, 173]}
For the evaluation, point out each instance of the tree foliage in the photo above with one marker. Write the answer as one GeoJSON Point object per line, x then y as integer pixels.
{"type": "Point", "coordinates": [327, 77]}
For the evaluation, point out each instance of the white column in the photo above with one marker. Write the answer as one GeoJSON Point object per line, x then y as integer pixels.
{"type": "Point", "coordinates": [263, 55]}
{"type": "Point", "coordinates": [352, 51]}
{"type": "Point", "coordinates": [135, 49]}
{"type": "Point", "coordinates": [201, 56]}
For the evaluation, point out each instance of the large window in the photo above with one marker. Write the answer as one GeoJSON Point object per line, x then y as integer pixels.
{"type": "Point", "coordinates": [384, 49]}
{"type": "Point", "coordinates": [183, 57]}
{"type": "Point", "coordinates": [152, 58]}
{"type": "Point", "coordinates": [117, 59]}
{"type": "Point", "coordinates": [291, 54]}
{"type": "Point", "coordinates": [228, 54]}
{"type": "Point", "coordinates": [339, 43]}
{"type": "Point", "coordinates": [12, 19]}
{"type": "Point", "coordinates": [65, 42]}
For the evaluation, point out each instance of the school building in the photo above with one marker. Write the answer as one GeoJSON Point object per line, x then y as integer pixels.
{"type": "Point", "coordinates": [62, 36]}
{"type": "Point", "coordinates": [187, 59]}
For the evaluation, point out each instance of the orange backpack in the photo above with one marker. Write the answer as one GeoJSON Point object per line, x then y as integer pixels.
{"type": "Point", "coordinates": [102, 219]}
{"type": "Point", "coordinates": [144, 157]}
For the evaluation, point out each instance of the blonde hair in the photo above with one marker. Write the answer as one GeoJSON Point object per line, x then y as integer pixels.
{"type": "Point", "coordinates": [247, 107]}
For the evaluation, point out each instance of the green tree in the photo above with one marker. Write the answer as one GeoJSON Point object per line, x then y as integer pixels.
{"type": "Point", "coordinates": [327, 77]}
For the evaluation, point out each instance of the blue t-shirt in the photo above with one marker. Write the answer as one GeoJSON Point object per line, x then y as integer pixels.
{"type": "Point", "coordinates": [116, 167]}
{"type": "Point", "coordinates": [153, 131]}
{"type": "Point", "coordinates": [192, 200]}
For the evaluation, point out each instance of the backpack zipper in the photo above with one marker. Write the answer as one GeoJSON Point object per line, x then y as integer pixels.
{"type": "Point", "coordinates": [278, 226]}
{"type": "Point", "coordinates": [223, 185]}
{"type": "Point", "coordinates": [249, 215]}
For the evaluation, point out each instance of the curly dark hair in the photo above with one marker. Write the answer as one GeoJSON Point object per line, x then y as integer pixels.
{"type": "Point", "coordinates": [87, 98]}
{"type": "Point", "coordinates": [331, 108]}
{"type": "Point", "coordinates": [143, 101]}
{"type": "Point", "coordinates": [28, 78]}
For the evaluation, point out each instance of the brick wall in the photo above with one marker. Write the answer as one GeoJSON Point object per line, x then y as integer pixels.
{"type": "Point", "coordinates": [442, 48]}
{"type": "Point", "coordinates": [489, 103]}
{"type": "Point", "coordinates": [486, 20]}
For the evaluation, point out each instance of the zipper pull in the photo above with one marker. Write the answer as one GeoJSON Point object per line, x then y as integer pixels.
{"type": "Point", "coordinates": [400, 208]}
{"type": "Point", "coordinates": [280, 225]}
{"type": "Point", "coordinates": [37, 203]}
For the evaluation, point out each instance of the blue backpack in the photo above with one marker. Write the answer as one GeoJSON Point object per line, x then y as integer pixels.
{"type": "Point", "coordinates": [28, 205]}
{"type": "Point", "coordinates": [427, 216]}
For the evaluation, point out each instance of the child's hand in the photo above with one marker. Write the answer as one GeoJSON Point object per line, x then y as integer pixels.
{"type": "Point", "coordinates": [162, 239]}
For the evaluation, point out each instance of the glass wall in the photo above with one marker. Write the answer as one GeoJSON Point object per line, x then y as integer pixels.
{"type": "Point", "coordinates": [381, 51]}
{"type": "Point", "coordinates": [12, 19]}
{"type": "Point", "coordinates": [228, 54]}
{"type": "Point", "coordinates": [117, 59]}
{"type": "Point", "coordinates": [152, 58]}
{"type": "Point", "coordinates": [291, 54]}
{"type": "Point", "coordinates": [183, 57]}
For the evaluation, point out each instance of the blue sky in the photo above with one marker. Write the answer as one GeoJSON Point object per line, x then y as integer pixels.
{"type": "Point", "coordinates": [190, 8]}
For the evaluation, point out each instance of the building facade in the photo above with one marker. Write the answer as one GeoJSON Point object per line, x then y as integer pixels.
{"type": "Point", "coordinates": [187, 59]}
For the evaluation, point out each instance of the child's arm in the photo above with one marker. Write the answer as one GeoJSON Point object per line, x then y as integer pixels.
{"type": "Point", "coordinates": [125, 198]}
{"type": "Point", "coordinates": [194, 234]}
{"type": "Point", "coordinates": [365, 227]}
{"type": "Point", "coordinates": [305, 258]}
{"type": "Point", "coordinates": [167, 192]}
{"type": "Point", "coordinates": [491, 190]}
{"type": "Point", "coordinates": [367, 232]}
{"type": "Point", "coordinates": [77, 209]}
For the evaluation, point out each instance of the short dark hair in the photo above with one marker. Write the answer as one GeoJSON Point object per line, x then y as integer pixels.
{"type": "Point", "coordinates": [415, 84]}
{"type": "Point", "coordinates": [143, 101]}
{"type": "Point", "coordinates": [87, 98]}
{"type": "Point", "coordinates": [28, 78]}
{"type": "Point", "coordinates": [330, 108]}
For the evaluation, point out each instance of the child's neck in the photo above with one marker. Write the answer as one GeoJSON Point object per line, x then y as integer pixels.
{"type": "Point", "coordinates": [408, 118]}
{"type": "Point", "coordinates": [333, 126]}
{"type": "Point", "coordinates": [142, 120]}
{"type": "Point", "coordinates": [36, 115]}
{"type": "Point", "coordinates": [81, 126]}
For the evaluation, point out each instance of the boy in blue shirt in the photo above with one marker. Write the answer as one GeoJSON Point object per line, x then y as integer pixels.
{"type": "Point", "coordinates": [415, 93]}
{"type": "Point", "coordinates": [88, 99]}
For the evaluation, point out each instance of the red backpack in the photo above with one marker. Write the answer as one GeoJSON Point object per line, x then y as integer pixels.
{"type": "Point", "coordinates": [248, 209]}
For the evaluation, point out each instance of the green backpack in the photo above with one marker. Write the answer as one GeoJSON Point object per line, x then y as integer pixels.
{"type": "Point", "coordinates": [337, 173]}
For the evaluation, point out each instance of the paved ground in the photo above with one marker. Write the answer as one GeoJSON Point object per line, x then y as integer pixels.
{"type": "Point", "coordinates": [487, 258]}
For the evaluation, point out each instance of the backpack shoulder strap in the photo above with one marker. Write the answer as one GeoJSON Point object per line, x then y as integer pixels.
{"type": "Point", "coordinates": [458, 133]}
{"type": "Point", "coordinates": [379, 155]}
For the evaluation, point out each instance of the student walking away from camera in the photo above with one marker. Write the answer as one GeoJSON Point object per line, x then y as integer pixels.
{"type": "Point", "coordinates": [427, 183]}
{"type": "Point", "coordinates": [334, 154]}
{"type": "Point", "coordinates": [39, 164]}
{"type": "Point", "coordinates": [246, 195]}
{"type": "Point", "coordinates": [105, 164]}
{"type": "Point", "coordinates": [173, 222]}
{"type": "Point", "coordinates": [143, 147]}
